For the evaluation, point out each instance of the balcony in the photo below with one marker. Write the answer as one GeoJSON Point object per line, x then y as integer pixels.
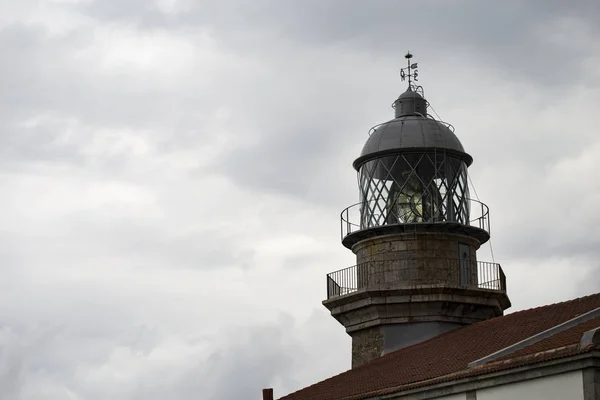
{"type": "Point", "coordinates": [371, 214]}
{"type": "Point", "coordinates": [389, 275]}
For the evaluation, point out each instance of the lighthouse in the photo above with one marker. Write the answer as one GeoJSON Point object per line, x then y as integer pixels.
{"type": "Point", "coordinates": [415, 232]}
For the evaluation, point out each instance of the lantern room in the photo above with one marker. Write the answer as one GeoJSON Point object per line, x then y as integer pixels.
{"type": "Point", "coordinates": [412, 173]}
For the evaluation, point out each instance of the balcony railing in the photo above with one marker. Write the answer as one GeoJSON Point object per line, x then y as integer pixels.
{"type": "Point", "coordinates": [353, 220]}
{"type": "Point", "coordinates": [377, 275]}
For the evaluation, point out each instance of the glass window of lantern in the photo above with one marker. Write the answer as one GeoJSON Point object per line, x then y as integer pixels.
{"type": "Point", "coordinates": [413, 188]}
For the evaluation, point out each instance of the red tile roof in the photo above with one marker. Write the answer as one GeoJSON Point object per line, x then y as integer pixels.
{"type": "Point", "coordinates": [446, 357]}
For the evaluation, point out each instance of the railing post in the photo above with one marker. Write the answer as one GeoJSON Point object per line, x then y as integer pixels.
{"type": "Point", "coordinates": [348, 225]}
{"type": "Point", "coordinates": [347, 222]}
{"type": "Point", "coordinates": [502, 279]}
{"type": "Point", "coordinates": [481, 218]}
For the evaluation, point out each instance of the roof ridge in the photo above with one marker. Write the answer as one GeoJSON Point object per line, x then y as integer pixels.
{"type": "Point", "coordinates": [538, 337]}
{"type": "Point", "coordinates": [559, 302]}
{"type": "Point", "coordinates": [538, 308]}
{"type": "Point", "coordinates": [507, 361]}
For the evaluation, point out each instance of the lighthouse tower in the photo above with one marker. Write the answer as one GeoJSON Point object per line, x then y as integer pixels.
{"type": "Point", "coordinates": [415, 233]}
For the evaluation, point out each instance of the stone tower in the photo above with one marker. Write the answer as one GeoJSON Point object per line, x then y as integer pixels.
{"type": "Point", "coordinates": [415, 233]}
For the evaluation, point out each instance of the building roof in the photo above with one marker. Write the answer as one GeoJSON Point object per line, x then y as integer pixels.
{"type": "Point", "coordinates": [447, 356]}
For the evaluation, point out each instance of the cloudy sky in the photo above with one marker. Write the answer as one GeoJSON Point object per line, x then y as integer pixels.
{"type": "Point", "coordinates": [173, 171]}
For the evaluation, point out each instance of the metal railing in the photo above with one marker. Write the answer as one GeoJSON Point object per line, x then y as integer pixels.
{"type": "Point", "coordinates": [352, 219]}
{"type": "Point", "coordinates": [406, 273]}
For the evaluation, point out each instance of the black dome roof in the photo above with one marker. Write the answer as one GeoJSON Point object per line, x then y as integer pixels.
{"type": "Point", "coordinates": [411, 130]}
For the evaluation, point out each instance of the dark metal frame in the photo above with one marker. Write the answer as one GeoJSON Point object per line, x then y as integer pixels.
{"type": "Point", "coordinates": [432, 199]}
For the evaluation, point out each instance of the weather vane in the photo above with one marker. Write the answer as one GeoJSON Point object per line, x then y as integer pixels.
{"type": "Point", "coordinates": [410, 71]}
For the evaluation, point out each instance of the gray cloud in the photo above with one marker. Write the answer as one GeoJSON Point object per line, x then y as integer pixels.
{"type": "Point", "coordinates": [512, 35]}
{"type": "Point", "coordinates": [173, 174]}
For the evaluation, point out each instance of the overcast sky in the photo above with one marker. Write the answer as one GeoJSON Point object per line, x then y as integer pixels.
{"type": "Point", "coordinates": [173, 171]}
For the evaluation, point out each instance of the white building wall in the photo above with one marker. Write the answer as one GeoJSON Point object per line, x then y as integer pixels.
{"type": "Point", "coordinates": [556, 387]}
{"type": "Point", "coordinates": [460, 396]}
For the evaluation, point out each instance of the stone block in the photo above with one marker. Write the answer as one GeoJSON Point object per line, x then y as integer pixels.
{"type": "Point", "coordinates": [367, 344]}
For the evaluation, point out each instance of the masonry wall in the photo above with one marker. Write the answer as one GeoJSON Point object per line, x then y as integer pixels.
{"type": "Point", "coordinates": [400, 261]}
{"type": "Point", "coordinates": [413, 259]}
{"type": "Point", "coordinates": [367, 344]}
